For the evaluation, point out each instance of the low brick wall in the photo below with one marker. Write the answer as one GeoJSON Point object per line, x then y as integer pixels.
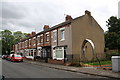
{"type": "Point", "coordinates": [55, 61]}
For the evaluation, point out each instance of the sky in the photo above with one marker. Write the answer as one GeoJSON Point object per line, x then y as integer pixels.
{"type": "Point", "coordinates": [32, 15]}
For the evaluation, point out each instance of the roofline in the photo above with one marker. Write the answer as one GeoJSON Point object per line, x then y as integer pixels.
{"type": "Point", "coordinates": [52, 28]}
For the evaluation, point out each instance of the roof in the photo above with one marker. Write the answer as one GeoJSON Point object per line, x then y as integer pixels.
{"type": "Point", "coordinates": [52, 28]}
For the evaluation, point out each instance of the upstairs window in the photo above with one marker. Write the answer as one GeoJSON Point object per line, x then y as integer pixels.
{"type": "Point", "coordinates": [47, 37]}
{"type": "Point", "coordinates": [41, 38]}
{"type": "Point", "coordinates": [25, 43]}
{"type": "Point", "coordinates": [54, 36]}
{"type": "Point", "coordinates": [22, 44]}
{"type": "Point", "coordinates": [38, 39]}
{"type": "Point", "coordinates": [29, 42]}
{"type": "Point", "coordinates": [34, 42]}
{"type": "Point", "coordinates": [62, 31]}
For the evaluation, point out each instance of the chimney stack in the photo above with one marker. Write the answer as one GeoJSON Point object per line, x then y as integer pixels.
{"type": "Point", "coordinates": [46, 27]}
{"type": "Point", "coordinates": [87, 13]}
{"type": "Point", "coordinates": [68, 18]}
{"type": "Point", "coordinates": [33, 33]}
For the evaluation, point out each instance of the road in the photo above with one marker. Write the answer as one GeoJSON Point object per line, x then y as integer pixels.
{"type": "Point", "coordinates": [26, 70]}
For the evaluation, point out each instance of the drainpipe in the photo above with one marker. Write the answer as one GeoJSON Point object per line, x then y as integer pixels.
{"type": "Point", "coordinates": [57, 36]}
{"type": "Point", "coordinates": [36, 49]}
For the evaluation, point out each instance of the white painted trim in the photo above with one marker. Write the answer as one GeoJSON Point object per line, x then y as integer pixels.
{"type": "Point", "coordinates": [41, 35]}
{"type": "Point", "coordinates": [34, 44]}
{"type": "Point", "coordinates": [54, 31]}
{"type": "Point", "coordinates": [47, 33]}
{"type": "Point", "coordinates": [62, 39]}
{"type": "Point", "coordinates": [55, 41]}
{"type": "Point", "coordinates": [38, 36]}
{"type": "Point", "coordinates": [39, 47]}
{"type": "Point", "coordinates": [38, 43]}
{"type": "Point", "coordinates": [62, 28]}
{"type": "Point", "coordinates": [34, 37]}
{"type": "Point", "coordinates": [91, 43]}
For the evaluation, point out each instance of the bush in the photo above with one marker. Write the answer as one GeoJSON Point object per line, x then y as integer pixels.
{"type": "Point", "coordinates": [109, 55]}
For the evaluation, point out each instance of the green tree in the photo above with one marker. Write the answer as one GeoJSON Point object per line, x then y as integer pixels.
{"type": "Point", "coordinates": [112, 36]}
{"type": "Point", "coordinates": [18, 35]}
{"type": "Point", "coordinates": [7, 41]}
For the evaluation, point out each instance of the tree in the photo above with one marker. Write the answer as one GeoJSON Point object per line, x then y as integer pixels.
{"type": "Point", "coordinates": [112, 36]}
{"type": "Point", "coordinates": [7, 41]}
{"type": "Point", "coordinates": [18, 35]}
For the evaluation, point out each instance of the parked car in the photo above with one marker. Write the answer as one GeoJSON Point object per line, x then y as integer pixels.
{"type": "Point", "coordinates": [8, 57]}
{"type": "Point", "coordinates": [4, 56]}
{"type": "Point", "coordinates": [16, 57]}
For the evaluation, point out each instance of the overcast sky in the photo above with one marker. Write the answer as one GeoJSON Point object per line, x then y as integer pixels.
{"type": "Point", "coordinates": [32, 15]}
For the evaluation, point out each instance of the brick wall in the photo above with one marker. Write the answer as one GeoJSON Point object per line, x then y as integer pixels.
{"type": "Point", "coordinates": [55, 61]}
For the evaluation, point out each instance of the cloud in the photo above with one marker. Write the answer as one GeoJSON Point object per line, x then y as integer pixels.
{"type": "Point", "coordinates": [31, 15]}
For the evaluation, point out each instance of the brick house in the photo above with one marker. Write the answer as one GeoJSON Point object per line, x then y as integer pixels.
{"type": "Point", "coordinates": [75, 40]}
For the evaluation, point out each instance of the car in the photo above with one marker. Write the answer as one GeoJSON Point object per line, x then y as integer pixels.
{"type": "Point", "coordinates": [4, 56]}
{"type": "Point", "coordinates": [8, 57]}
{"type": "Point", "coordinates": [2, 77]}
{"type": "Point", "coordinates": [16, 57]}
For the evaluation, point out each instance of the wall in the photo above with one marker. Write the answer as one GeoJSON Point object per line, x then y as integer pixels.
{"type": "Point", "coordinates": [67, 42]}
{"type": "Point", "coordinates": [83, 28]}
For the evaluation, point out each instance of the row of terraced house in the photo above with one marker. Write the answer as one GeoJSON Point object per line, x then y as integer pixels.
{"type": "Point", "coordinates": [73, 40]}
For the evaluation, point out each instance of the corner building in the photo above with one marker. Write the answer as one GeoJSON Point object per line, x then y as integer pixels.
{"type": "Point", "coordinates": [72, 41]}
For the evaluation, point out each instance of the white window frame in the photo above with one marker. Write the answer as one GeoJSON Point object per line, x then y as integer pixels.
{"type": "Point", "coordinates": [34, 38]}
{"type": "Point", "coordinates": [61, 37]}
{"type": "Point", "coordinates": [41, 40]}
{"type": "Point", "coordinates": [37, 40]}
{"type": "Point", "coordinates": [23, 44]}
{"type": "Point", "coordinates": [29, 42]}
{"type": "Point", "coordinates": [55, 37]}
{"type": "Point", "coordinates": [54, 53]}
{"type": "Point", "coordinates": [47, 37]}
{"type": "Point", "coordinates": [26, 43]}
{"type": "Point", "coordinates": [34, 42]}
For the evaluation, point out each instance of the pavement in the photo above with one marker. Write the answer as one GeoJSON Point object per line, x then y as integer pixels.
{"type": "Point", "coordinates": [84, 70]}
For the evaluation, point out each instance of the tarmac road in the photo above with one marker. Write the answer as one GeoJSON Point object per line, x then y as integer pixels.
{"type": "Point", "coordinates": [26, 70]}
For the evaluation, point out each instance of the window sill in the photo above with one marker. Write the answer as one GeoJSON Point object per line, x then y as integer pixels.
{"type": "Point", "coordinates": [34, 45]}
{"type": "Point", "coordinates": [46, 42]}
{"type": "Point", "coordinates": [41, 43]}
{"type": "Point", "coordinates": [38, 44]}
{"type": "Point", "coordinates": [62, 39]}
{"type": "Point", "coordinates": [55, 41]}
{"type": "Point", "coordinates": [59, 58]}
